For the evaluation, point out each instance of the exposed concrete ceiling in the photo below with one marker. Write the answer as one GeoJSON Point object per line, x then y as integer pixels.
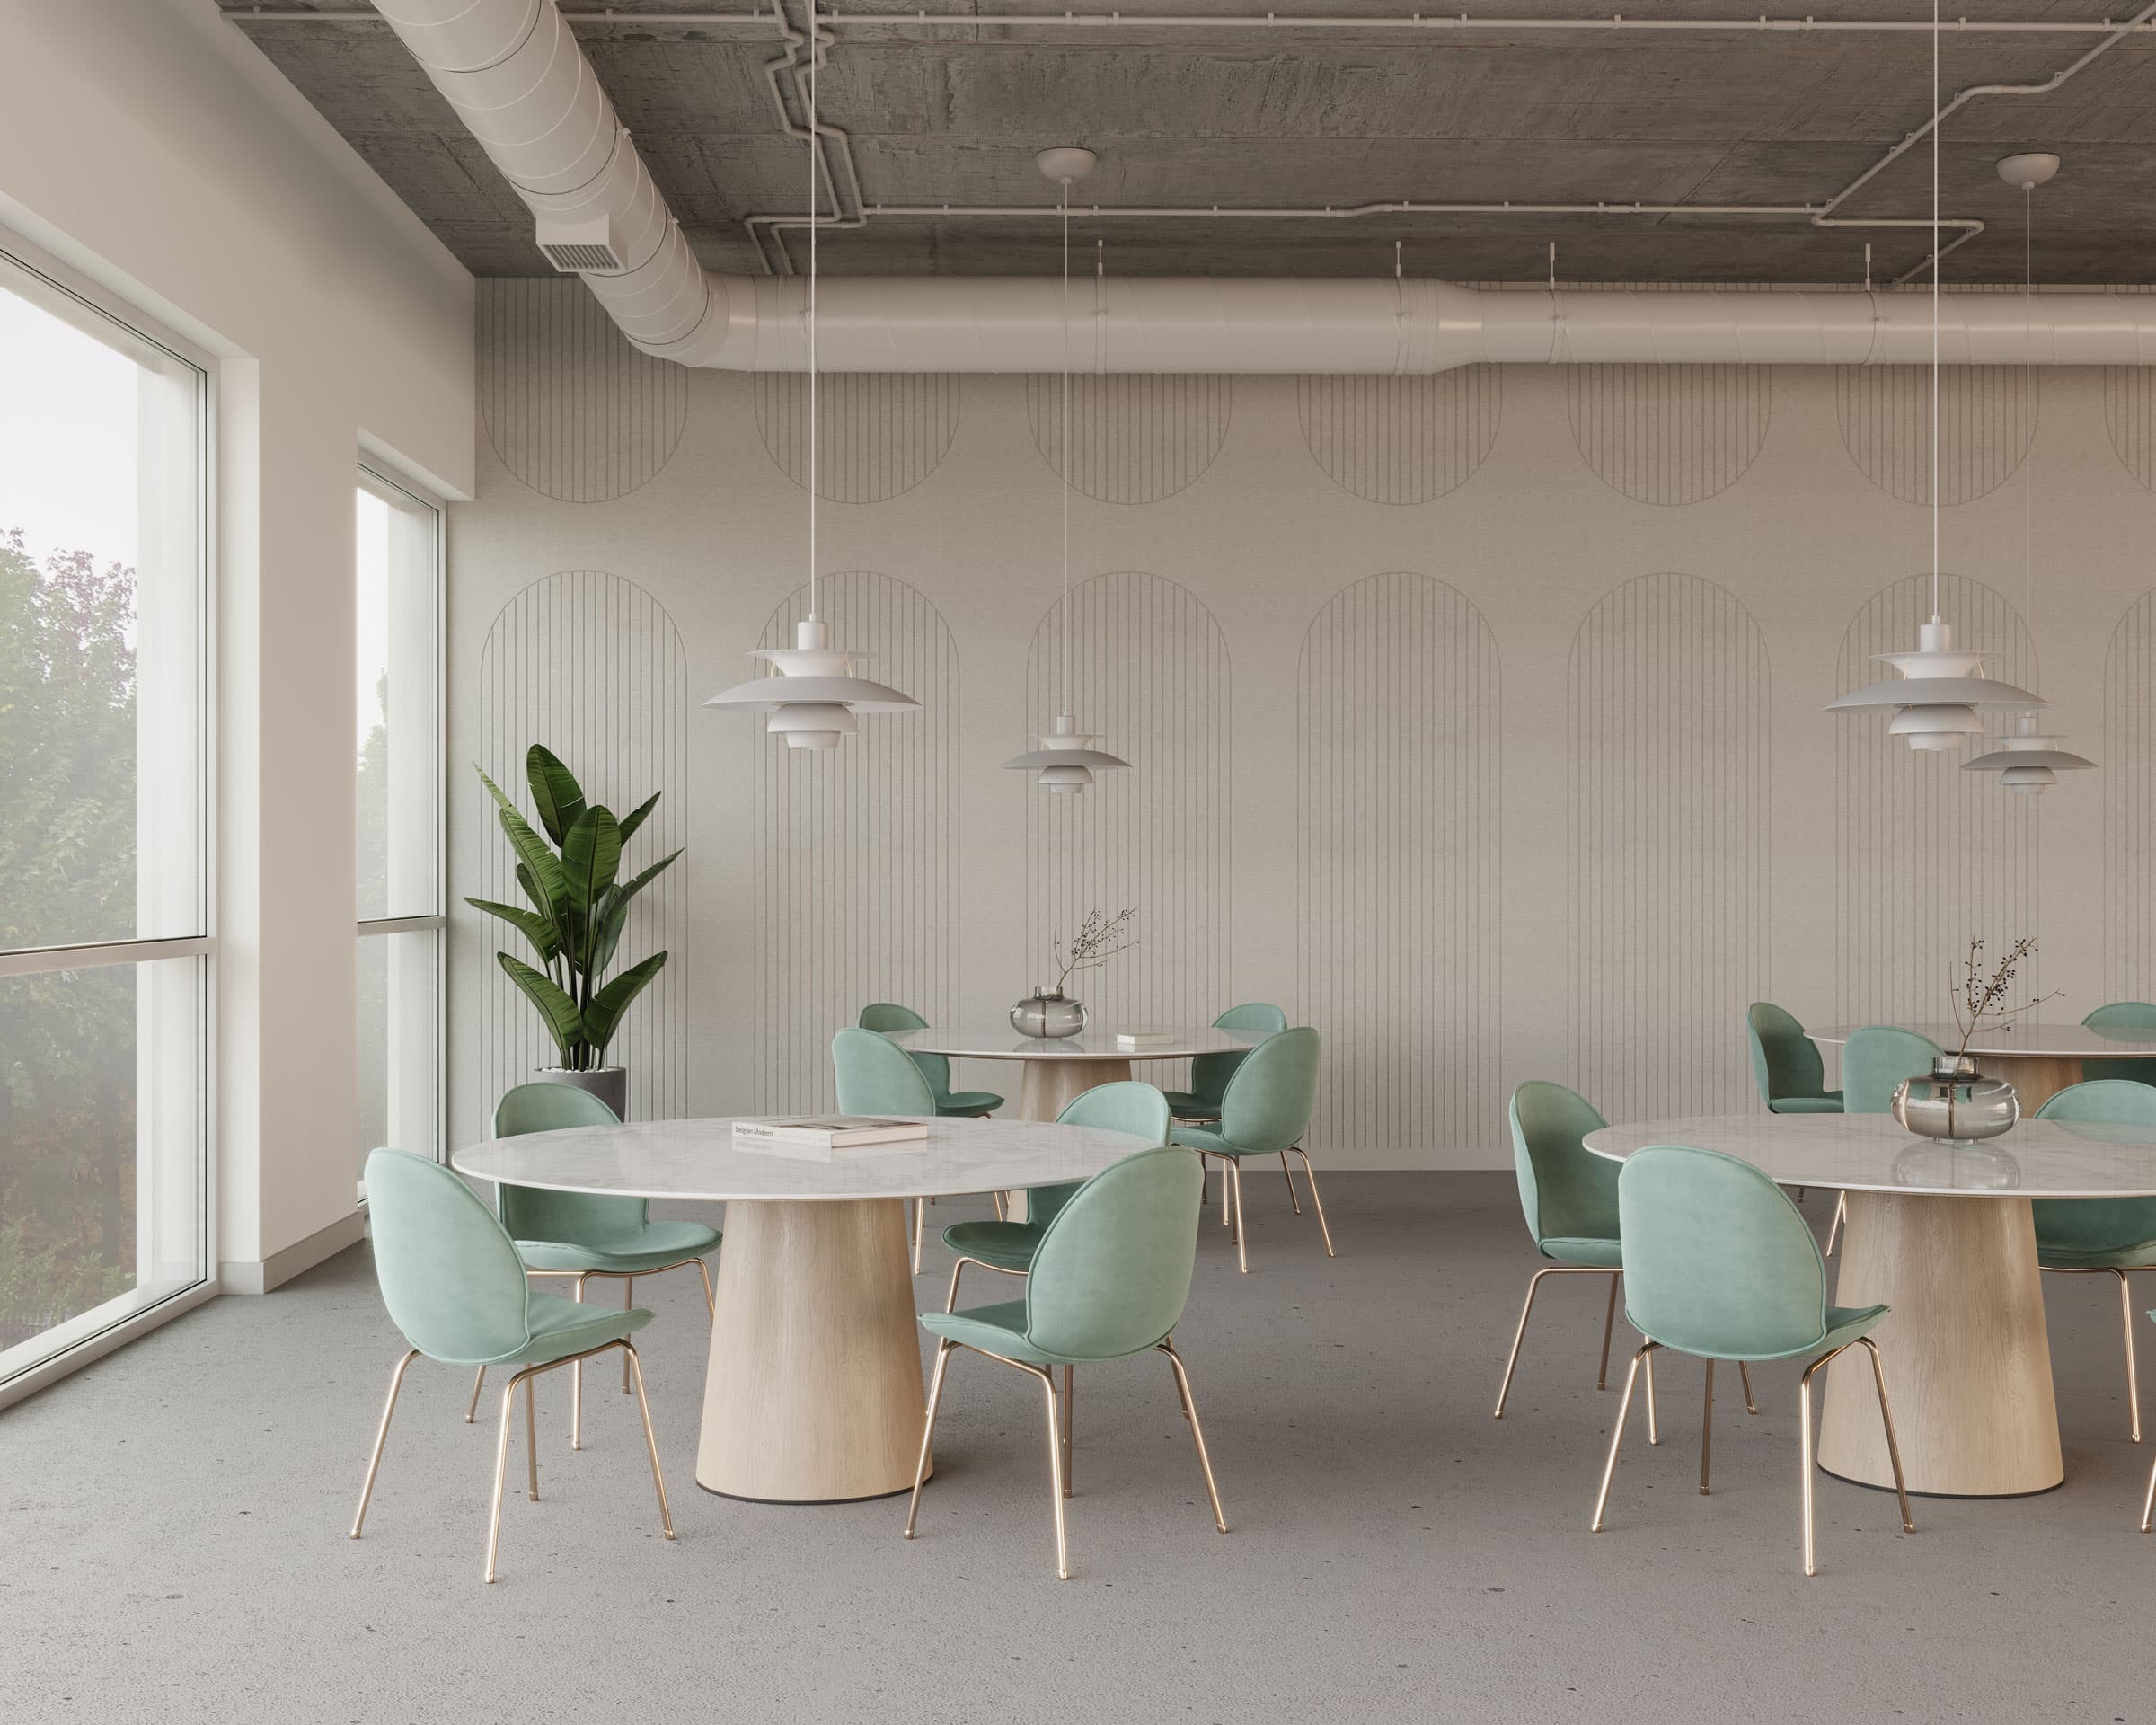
{"type": "Point", "coordinates": [954, 116]}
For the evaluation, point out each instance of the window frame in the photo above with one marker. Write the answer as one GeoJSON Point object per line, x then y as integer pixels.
{"type": "Point", "coordinates": [52, 279]}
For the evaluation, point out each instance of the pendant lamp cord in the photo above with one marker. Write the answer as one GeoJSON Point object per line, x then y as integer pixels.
{"type": "Point", "coordinates": [1064, 201]}
{"type": "Point", "coordinates": [815, 222]}
{"type": "Point", "coordinates": [1935, 262]}
{"type": "Point", "coordinates": [2028, 420]}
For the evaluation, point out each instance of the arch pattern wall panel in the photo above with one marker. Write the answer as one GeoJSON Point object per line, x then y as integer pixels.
{"type": "Point", "coordinates": [1150, 672]}
{"type": "Point", "coordinates": [1667, 818]}
{"type": "Point", "coordinates": [856, 881]}
{"type": "Point", "coordinates": [878, 434]}
{"type": "Point", "coordinates": [2130, 417]}
{"type": "Point", "coordinates": [590, 665]}
{"type": "Point", "coordinates": [1134, 439]}
{"type": "Point", "coordinates": [1669, 434]}
{"type": "Point", "coordinates": [2129, 770]}
{"type": "Point", "coordinates": [1986, 418]}
{"type": "Point", "coordinates": [1398, 898]}
{"type": "Point", "coordinates": [572, 409]}
{"type": "Point", "coordinates": [1927, 857]}
{"type": "Point", "coordinates": [1401, 439]}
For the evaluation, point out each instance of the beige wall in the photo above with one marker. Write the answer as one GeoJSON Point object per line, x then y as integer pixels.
{"type": "Point", "coordinates": [1555, 798]}
{"type": "Point", "coordinates": [146, 144]}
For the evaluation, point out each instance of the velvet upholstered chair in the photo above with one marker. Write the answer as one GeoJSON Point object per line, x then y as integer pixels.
{"type": "Point", "coordinates": [1264, 1111]}
{"type": "Point", "coordinates": [1874, 1061]}
{"type": "Point", "coordinates": [875, 1075]}
{"type": "Point", "coordinates": [887, 1018]}
{"type": "Point", "coordinates": [1786, 1064]}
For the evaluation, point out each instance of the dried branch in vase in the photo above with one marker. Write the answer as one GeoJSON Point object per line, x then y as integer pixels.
{"type": "Point", "coordinates": [1980, 999]}
{"type": "Point", "coordinates": [1098, 940]}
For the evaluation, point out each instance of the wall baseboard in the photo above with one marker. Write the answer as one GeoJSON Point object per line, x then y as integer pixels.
{"type": "Point", "coordinates": [251, 1276]}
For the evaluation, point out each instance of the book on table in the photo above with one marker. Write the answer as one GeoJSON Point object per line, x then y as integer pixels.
{"type": "Point", "coordinates": [1132, 1040]}
{"type": "Point", "coordinates": [829, 1131]}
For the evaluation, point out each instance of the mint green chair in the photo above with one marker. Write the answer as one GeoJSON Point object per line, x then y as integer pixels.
{"type": "Point", "coordinates": [1264, 1111]}
{"type": "Point", "coordinates": [2137, 1015]}
{"type": "Point", "coordinates": [886, 1018]}
{"type": "Point", "coordinates": [2102, 1236]}
{"type": "Point", "coordinates": [1874, 1061]}
{"type": "Point", "coordinates": [875, 1075]}
{"type": "Point", "coordinates": [1720, 1264]}
{"type": "Point", "coordinates": [585, 1235]}
{"type": "Point", "coordinates": [1786, 1064]}
{"type": "Point", "coordinates": [1210, 1072]}
{"type": "Point", "coordinates": [1008, 1247]}
{"type": "Point", "coordinates": [1110, 1280]}
{"type": "Point", "coordinates": [455, 1286]}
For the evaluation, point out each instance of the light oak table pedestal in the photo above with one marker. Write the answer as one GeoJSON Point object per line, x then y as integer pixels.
{"type": "Point", "coordinates": [813, 1393]}
{"type": "Point", "coordinates": [1047, 1087]}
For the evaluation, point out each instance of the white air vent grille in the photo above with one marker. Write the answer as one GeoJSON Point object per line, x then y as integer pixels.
{"type": "Point", "coordinates": [575, 259]}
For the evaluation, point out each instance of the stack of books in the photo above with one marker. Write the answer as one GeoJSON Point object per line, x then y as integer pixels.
{"type": "Point", "coordinates": [1136, 1041]}
{"type": "Point", "coordinates": [820, 1136]}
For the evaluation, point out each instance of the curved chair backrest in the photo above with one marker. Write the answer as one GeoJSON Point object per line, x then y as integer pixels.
{"type": "Point", "coordinates": [1113, 1269]}
{"type": "Point", "coordinates": [2126, 1016]}
{"type": "Point", "coordinates": [582, 1218]}
{"type": "Point", "coordinates": [1716, 1260]}
{"type": "Point", "coordinates": [1877, 1057]}
{"type": "Point", "coordinates": [1567, 1192]}
{"type": "Point", "coordinates": [1210, 1072]}
{"type": "Point", "coordinates": [2098, 1223]}
{"type": "Point", "coordinates": [1785, 1061]}
{"type": "Point", "coordinates": [1268, 1102]}
{"type": "Point", "coordinates": [877, 1077]}
{"type": "Point", "coordinates": [886, 1015]}
{"type": "Point", "coordinates": [1129, 1105]}
{"type": "Point", "coordinates": [449, 1273]}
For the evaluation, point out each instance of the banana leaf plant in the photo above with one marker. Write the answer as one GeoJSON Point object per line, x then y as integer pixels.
{"type": "Point", "coordinates": [577, 904]}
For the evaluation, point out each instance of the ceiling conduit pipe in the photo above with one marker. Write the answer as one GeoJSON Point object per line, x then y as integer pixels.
{"type": "Point", "coordinates": [519, 80]}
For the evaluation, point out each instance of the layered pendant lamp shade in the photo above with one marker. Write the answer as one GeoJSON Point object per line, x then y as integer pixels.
{"type": "Point", "coordinates": [1938, 690]}
{"type": "Point", "coordinates": [812, 694]}
{"type": "Point", "coordinates": [2030, 760]}
{"type": "Point", "coordinates": [1066, 759]}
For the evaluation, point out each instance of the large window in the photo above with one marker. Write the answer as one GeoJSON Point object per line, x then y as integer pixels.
{"type": "Point", "coordinates": [104, 947]}
{"type": "Point", "coordinates": [399, 824]}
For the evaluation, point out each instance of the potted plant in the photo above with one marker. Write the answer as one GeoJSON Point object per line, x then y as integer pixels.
{"type": "Point", "coordinates": [577, 907]}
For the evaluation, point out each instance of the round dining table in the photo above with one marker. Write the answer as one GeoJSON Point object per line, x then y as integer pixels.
{"type": "Point", "coordinates": [1941, 1233]}
{"type": "Point", "coordinates": [2038, 1060]}
{"type": "Point", "coordinates": [814, 1392]}
{"type": "Point", "coordinates": [1059, 1068]}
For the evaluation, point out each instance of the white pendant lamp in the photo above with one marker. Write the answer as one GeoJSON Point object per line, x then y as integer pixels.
{"type": "Point", "coordinates": [1066, 759]}
{"type": "Point", "coordinates": [812, 696]}
{"type": "Point", "coordinates": [2028, 760]}
{"type": "Point", "coordinates": [1939, 689]}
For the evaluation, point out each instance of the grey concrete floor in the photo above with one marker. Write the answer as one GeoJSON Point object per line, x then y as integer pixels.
{"type": "Point", "coordinates": [173, 1548]}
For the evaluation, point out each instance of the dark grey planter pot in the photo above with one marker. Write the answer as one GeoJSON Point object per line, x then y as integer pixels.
{"type": "Point", "coordinates": [610, 1085]}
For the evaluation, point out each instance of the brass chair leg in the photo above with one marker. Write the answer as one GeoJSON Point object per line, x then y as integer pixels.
{"type": "Point", "coordinates": [1243, 1255]}
{"type": "Point", "coordinates": [1654, 1433]}
{"type": "Point", "coordinates": [1288, 1174]}
{"type": "Point", "coordinates": [997, 1198]}
{"type": "Point", "coordinates": [1055, 1487]}
{"type": "Point", "coordinates": [374, 1462]}
{"type": "Point", "coordinates": [1519, 1335]}
{"type": "Point", "coordinates": [1224, 1217]}
{"type": "Point", "coordinates": [920, 1223]}
{"type": "Point", "coordinates": [575, 1384]}
{"type": "Point", "coordinates": [1833, 1228]}
{"type": "Point", "coordinates": [1804, 1417]}
{"type": "Point", "coordinates": [1706, 1425]}
{"type": "Point", "coordinates": [1317, 1203]}
{"type": "Point", "coordinates": [531, 1436]}
{"type": "Point", "coordinates": [478, 1384]}
{"type": "Point", "coordinates": [710, 1305]}
{"type": "Point", "coordinates": [1070, 1378]}
{"type": "Point", "coordinates": [2125, 1317]}
{"type": "Point", "coordinates": [1197, 1432]}
{"type": "Point", "coordinates": [928, 1432]}
{"type": "Point", "coordinates": [1609, 1322]}
{"type": "Point", "coordinates": [643, 1406]}
{"type": "Point", "coordinates": [501, 1470]}
{"type": "Point", "coordinates": [1894, 1449]}
{"type": "Point", "coordinates": [628, 1302]}
{"type": "Point", "coordinates": [1624, 1408]}
{"type": "Point", "coordinates": [1743, 1372]}
{"type": "Point", "coordinates": [956, 1271]}
{"type": "Point", "coordinates": [2148, 1503]}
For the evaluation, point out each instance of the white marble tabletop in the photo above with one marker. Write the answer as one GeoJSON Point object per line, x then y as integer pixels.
{"type": "Point", "coordinates": [2035, 1041]}
{"type": "Point", "coordinates": [698, 1159]}
{"type": "Point", "coordinates": [987, 1042]}
{"type": "Point", "coordinates": [1869, 1153]}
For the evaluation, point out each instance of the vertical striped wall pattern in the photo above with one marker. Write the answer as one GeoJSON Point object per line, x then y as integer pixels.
{"type": "Point", "coordinates": [1669, 887]}
{"type": "Point", "coordinates": [1151, 676]}
{"type": "Point", "coordinates": [1986, 423]}
{"type": "Point", "coordinates": [1401, 439]}
{"type": "Point", "coordinates": [856, 877]}
{"type": "Point", "coordinates": [2130, 417]}
{"type": "Point", "coordinates": [591, 666]}
{"type": "Point", "coordinates": [1397, 866]}
{"type": "Point", "coordinates": [2128, 766]}
{"type": "Point", "coordinates": [1669, 434]}
{"type": "Point", "coordinates": [1927, 857]}
{"type": "Point", "coordinates": [1134, 439]}
{"type": "Point", "coordinates": [878, 434]}
{"type": "Point", "coordinates": [572, 409]}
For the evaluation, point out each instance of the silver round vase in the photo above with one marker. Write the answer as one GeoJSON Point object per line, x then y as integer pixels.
{"type": "Point", "coordinates": [1047, 1013]}
{"type": "Point", "coordinates": [1956, 1102]}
